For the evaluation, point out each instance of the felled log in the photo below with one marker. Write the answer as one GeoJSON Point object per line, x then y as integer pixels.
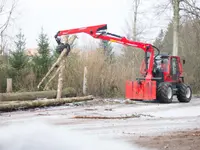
{"type": "Point", "coordinates": [104, 117]}
{"type": "Point", "coordinates": [24, 105]}
{"type": "Point", "coordinates": [68, 92]}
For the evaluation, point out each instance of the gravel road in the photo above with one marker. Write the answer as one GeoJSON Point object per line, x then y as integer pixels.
{"type": "Point", "coordinates": [111, 123]}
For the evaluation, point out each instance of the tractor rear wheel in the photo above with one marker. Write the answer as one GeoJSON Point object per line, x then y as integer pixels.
{"type": "Point", "coordinates": [164, 92]}
{"type": "Point", "coordinates": [184, 93]}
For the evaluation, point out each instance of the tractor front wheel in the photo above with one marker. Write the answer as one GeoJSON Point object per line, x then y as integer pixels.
{"type": "Point", "coordinates": [164, 92]}
{"type": "Point", "coordinates": [184, 93]}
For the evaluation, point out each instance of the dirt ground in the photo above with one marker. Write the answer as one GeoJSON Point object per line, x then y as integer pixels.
{"type": "Point", "coordinates": [151, 126]}
{"type": "Point", "coordinates": [182, 140]}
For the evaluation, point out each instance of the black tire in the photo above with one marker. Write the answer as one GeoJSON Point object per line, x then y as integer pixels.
{"type": "Point", "coordinates": [184, 93]}
{"type": "Point", "coordinates": [163, 94]}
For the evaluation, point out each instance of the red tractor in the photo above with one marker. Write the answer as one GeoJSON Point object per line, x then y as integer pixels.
{"type": "Point", "coordinates": [162, 75]}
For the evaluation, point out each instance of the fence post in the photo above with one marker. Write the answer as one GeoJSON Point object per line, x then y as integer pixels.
{"type": "Point", "coordinates": [85, 81]}
{"type": "Point", "coordinates": [9, 85]}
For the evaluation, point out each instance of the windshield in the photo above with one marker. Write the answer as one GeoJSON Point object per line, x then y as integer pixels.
{"type": "Point", "coordinates": [162, 64]}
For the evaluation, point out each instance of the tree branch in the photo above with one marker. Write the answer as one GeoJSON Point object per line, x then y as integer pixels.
{"type": "Point", "coordinates": [191, 5]}
{"type": "Point", "coordinates": [5, 25]}
{"type": "Point", "coordinates": [190, 12]}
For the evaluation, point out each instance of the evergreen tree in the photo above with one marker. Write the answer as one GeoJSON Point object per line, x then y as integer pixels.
{"type": "Point", "coordinates": [159, 40]}
{"type": "Point", "coordinates": [107, 49]}
{"type": "Point", "coordinates": [18, 59]}
{"type": "Point", "coordinates": [168, 39]}
{"type": "Point", "coordinates": [43, 61]}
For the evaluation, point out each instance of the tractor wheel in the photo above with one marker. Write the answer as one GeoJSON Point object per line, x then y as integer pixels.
{"type": "Point", "coordinates": [164, 92]}
{"type": "Point", "coordinates": [184, 93]}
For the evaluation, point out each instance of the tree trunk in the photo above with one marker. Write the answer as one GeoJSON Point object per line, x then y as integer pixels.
{"type": "Point", "coordinates": [85, 81]}
{"type": "Point", "coordinates": [68, 92]}
{"type": "Point", "coordinates": [49, 81]}
{"type": "Point", "coordinates": [60, 80]}
{"type": "Point", "coordinates": [176, 27]}
{"type": "Point", "coordinates": [12, 106]}
{"type": "Point", "coordinates": [136, 5]}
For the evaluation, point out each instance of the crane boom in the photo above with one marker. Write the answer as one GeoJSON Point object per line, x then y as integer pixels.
{"type": "Point", "coordinates": [99, 32]}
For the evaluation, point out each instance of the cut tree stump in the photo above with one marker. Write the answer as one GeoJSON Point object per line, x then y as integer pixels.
{"type": "Point", "coordinates": [68, 92]}
{"type": "Point", "coordinates": [24, 105]}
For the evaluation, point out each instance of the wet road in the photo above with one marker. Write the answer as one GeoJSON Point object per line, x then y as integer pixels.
{"type": "Point", "coordinates": [153, 118]}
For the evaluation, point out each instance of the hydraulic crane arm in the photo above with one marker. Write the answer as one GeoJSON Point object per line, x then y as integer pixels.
{"type": "Point", "coordinates": [99, 32]}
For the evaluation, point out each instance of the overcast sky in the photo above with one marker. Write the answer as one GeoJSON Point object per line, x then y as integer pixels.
{"type": "Point", "coordinates": [54, 15]}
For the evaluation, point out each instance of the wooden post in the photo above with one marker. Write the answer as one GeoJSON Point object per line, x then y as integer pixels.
{"type": "Point", "coordinates": [60, 80]}
{"type": "Point", "coordinates": [9, 85]}
{"type": "Point", "coordinates": [61, 72]}
{"type": "Point", "coordinates": [85, 81]}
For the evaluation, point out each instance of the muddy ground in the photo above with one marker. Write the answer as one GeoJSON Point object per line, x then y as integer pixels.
{"type": "Point", "coordinates": [173, 126]}
{"type": "Point", "coordinates": [182, 140]}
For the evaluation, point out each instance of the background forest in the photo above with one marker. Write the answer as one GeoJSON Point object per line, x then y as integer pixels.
{"type": "Point", "coordinates": [107, 71]}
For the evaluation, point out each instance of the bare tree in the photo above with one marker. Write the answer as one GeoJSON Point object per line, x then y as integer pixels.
{"type": "Point", "coordinates": [6, 13]}
{"type": "Point", "coordinates": [136, 5]}
{"type": "Point", "coordinates": [190, 8]}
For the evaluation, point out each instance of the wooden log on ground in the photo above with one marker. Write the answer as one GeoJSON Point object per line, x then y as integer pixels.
{"type": "Point", "coordinates": [68, 92]}
{"type": "Point", "coordinates": [24, 105]}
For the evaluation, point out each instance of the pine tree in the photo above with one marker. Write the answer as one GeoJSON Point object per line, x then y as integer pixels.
{"type": "Point", "coordinates": [159, 40]}
{"type": "Point", "coordinates": [168, 39]}
{"type": "Point", "coordinates": [107, 49]}
{"type": "Point", "coordinates": [18, 59]}
{"type": "Point", "coordinates": [43, 61]}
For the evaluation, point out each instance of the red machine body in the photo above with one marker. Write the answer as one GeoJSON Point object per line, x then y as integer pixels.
{"type": "Point", "coordinates": [144, 88]}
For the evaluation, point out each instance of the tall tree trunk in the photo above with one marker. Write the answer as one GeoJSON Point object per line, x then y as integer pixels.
{"type": "Point", "coordinates": [61, 73]}
{"type": "Point", "coordinates": [136, 5]}
{"type": "Point", "coordinates": [60, 81]}
{"type": "Point", "coordinates": [135, 8]}
{"type": "Point", "coordinates": [176, 27]}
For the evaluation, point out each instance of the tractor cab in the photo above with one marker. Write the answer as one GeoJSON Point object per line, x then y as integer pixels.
{"type": "Point", "coordinates": [161, 66]}
{"type": "Point", "coordinates": [166, 68]}
{"type": "Point", "coordinates": [168, 77]}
